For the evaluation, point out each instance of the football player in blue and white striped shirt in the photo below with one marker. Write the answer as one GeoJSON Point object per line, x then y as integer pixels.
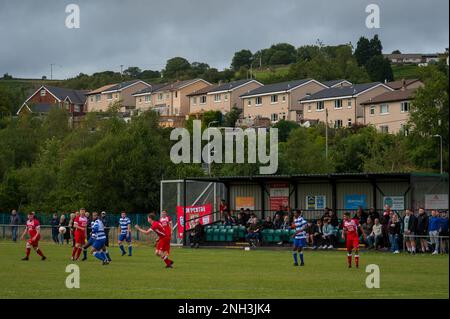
{"type": "Point", "coordinates": [299, 225]}
{"type": "Point", "coordinates": [98, 247]}
{"type": "Point", "coordinates": [125, 233]}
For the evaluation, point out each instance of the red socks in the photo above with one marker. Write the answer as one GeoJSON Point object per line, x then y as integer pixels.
{"type": "Point", "coordinates": [357, 260]}
{"type": "Point", "coordinates": [39, 252]}
{"type": "Point", "coordinates": [79, 250]}
{"type": "Point", "coordinates": [74, 251]}
{"type": "Point", "coordinates": [28, 252]}
{"type": "Point", "coordinates": [167, 260]}
{"type": "Point", "coordinates": [349, 259]}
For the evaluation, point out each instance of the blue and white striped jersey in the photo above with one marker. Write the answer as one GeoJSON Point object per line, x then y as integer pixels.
{"type": "Point", "coordinates": [123, 224]}
{"type": "Point", "coordinates": [300, 226]}
{"type": "Point", "coordinates": [93, 236]}
{"type": "Point", "coordinates": [98, 229]}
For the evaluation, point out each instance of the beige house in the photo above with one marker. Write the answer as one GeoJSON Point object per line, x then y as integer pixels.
{"type": "Point", "coordinates": [101, 99]}
{"type": "Point", "coordinates": [341, 106]}
{"type": "Point", "coordinates": [279, 101]}
{"type": "Point", "coordinates": [172, 99]}
{"type": "Point", "coordinates": [145, 98]}
{"type": "Point", "coordinates": [389, 112]}
{"type": "Point", "coordinates": [221, 97]}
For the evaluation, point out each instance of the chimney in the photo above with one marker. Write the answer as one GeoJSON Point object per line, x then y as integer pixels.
{"type": "Point", "coordinates": [403, 84]}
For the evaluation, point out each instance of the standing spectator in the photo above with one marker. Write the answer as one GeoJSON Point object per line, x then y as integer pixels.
{"type": "Point", "coordinates": [196, 235]}
{"type": "Point", "coordinates": [229, 220]}
{"type": "Point", "coordinates": [247, 215]}
{"type": "Point", "coordinates": [223, 208]}
{"type": "Point", "coordinates": [444, 232]}
{"type": "Point", "coordinates": [277, 222]}
{"type": "Point", "coordinates": [280, 212]}
{"type": "Point", "coordinates": [373, 214]}
{"type": "Point", "coordinates": [384, 222]}
{"type": "Point", "coordinates": [422, 229]}
{"type": "Point", "coordinates": [14, 221]}
{"type": "Point", "coordinates": [409, 231]}
{"type": "Point", "coordinates": [434, 228]}
{"type": "Point", "coordinates": [334, 220]}
{"type": "Point", "coordinates": [104, 219]}
{"type": "Point", "coordinates": [54, 223]}
{"type": "Point", "coordinates": [368, 230]}
{"type": "Point", "coordinates": [376, 237]}
{"type": "Point", "coordinates": [88, 227]}
{"type": "Point", "coordinates": [360, 216]}
{"type": "Point", "coordinates": [72, 227]}
{"type": "Point", "coordinates": [63, 235]}
{"type": "Point", "coordinates": [394, 233]}
{"type": "Point", "coordinates": [286, 223]}
{"type": "Point", "coordinates": [318, 235]}
{"type": "Point", "coordinates": [328, 234]}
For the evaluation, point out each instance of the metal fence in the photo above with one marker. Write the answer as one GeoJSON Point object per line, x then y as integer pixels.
{"type": "Point", "coordinates": [442, 241]}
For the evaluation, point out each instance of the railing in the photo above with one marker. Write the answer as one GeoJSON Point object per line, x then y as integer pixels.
{"type": "Point", "coordinates": [443, 242]}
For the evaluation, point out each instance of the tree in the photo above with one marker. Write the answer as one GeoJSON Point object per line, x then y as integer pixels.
{"type": "Point", "coordinates": [6, 76]}
{"type": "Point", "coordinates": [284, 129]}
{"type": "Point", "coordinates": [176, 68]}
{"type": "Point", "coordinates": [230, 119]}
{"type": "Point", "coordinates": [396, 52]}
{"type": "Point", "coordinates": [363, 51]}
{"type": "Point", "coordinates": [379, 69]}
{"type": "Point", "coordinates": [133, 72]}
{"type": "Point", "coordinates": [150, 74]}
{"type": "Point", "coordinates": [241, 58]}
{"type": "Point", "coordinates": [281, 53]}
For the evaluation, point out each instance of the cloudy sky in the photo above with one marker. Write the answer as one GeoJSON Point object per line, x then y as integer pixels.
{"type": "Point", "coordinates": [145, 33]}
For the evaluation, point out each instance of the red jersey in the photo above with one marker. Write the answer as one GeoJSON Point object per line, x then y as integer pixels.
{"type": "Point", "coordinates": [81, 222]}
{"type": "Point", "coordinates": [32, 226]}
{"type": "Point", "coordinates": [159, 229]}
{"type": "Point", "coordinates": [351, 226]}
{"type": "Point", "coordinates": [165, 222]}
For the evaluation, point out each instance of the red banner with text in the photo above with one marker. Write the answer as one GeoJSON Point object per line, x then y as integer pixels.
{"type": "Point", "coordinates": [201, 213]}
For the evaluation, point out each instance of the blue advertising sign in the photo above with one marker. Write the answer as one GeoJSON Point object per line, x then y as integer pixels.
{"type": "Point", "coordinates": [354, 201]}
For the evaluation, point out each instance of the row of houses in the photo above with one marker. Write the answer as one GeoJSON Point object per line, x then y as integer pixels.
{"type": "Point", "coordinates": [339, 103]}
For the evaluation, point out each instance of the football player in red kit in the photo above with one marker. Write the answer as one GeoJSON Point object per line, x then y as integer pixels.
{"type": "Point", "coordinates": [34, 232]}
{"type": "Point", "coordinates": [80, 224]}
{"type": "Point", "coordinates": [166, 222]}
{"type": "Point", "coordinates": [163, 243]}
{"type": "Point", "coordinates": [350, 234]}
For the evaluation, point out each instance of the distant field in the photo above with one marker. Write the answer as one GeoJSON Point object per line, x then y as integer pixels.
{"type": "Point", "coordinates": [405, 71]}
{"type": "Point", "coordinates": [220, 273]}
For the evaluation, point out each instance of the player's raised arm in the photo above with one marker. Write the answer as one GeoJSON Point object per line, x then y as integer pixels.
{"type": "Point", "coordinates": [143, 230]}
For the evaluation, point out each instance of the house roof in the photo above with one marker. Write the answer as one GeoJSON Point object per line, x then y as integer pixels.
{"type": "Point", "coordinates": [101, 89]}
{"type": "Point", "coordinates": [123, 85]}
{"type": "Point", "coordinates": [335, 82]}
{"type": "Point", "coordinates": [278, 87]}
{"type": "Point", "coordinates": [179, 85]}
{"type": "Point", "coordinates": [205, 90]}
{"type": "Point", "coordinates": [148, 90]}
{"type": "Point", "coordinates": [231, 85]}
{"type": "Point", "coordinates": [398, 95]}
{"type": "Point", "coordinates": [396, 85]}
{"type": "Point", "coordinates": [342, 91]}
{"type": "Point", "coordinates": [75, 96]}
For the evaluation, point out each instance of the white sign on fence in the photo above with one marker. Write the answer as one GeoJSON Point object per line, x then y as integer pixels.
{"type": "Point", "coordinates": [436, 201]}
{"type": "Point", "coordinates": [394, 202]}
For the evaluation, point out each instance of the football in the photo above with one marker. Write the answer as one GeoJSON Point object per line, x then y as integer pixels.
{"type": "Point", "coordinates": [62, 230]}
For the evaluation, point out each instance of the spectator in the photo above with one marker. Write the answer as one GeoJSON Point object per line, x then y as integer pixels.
{"type": "Point", "coordinates": [434, 228]}
{"type": "Point", "coordinates": [223, 208]}
{"type": "Point", "coordinates": [376, 237]}
{"type": "Point", "coordinates": [14, 221]}
{"type": "Point", "coordinates": [280, 212]}
{"type": "Point", "coordinates": [409, 231]}
{"type": "Point", "coordinates": [267, 224]}
{"type": "Point", "coordinates": [247, 215]}
{"type": "Point", "coordinates": [318, 235]}
{"type": "Point", "coordinates": [252, 219]}
{"type": "Point", "coordinates": [196, 235]}
{"type": "Point", "coordinates": [286, 223]}
{"type": "Point", "coordinates": [88, 225]}
{"type": "Point", "coordinates": [328, 234]}
{"type": "Point", "coordinates": [385, 221]}
{"type": "Point", "coordinates": [240, 219]}
{"type": "Point", "coordinates": [334, 220]}
{"type": "Point", "coordinates": [444, 232]}
{"type": "Point", "coordinates": [54, 222]}
{"type": "Point", "coordinates": [72, 228]}
{"type": "Point", "coordinates": [253, 232]}
{"type": "Point", "coordinates": [311, 230]}
{"type": "Point", "coordinates": [373, 214]}
{"type": "Point", "coordinates": [104, 219]}
{"type": "Point", "coordinates": [368, 229]}
{"type": "Point", "coordinates": [394, 233]}
{"type": "Point", "coordinates": [277, 222]}
{"type": "Point", "coordinates": [229, 220]}
{"type": "Point", "coordinates": [63, 235]}
{"type": "Point", "coordinates": [325, 215]}
{"type": "Point", "coordinates": [360, 216]}
{"type": "Point", "coordinates": [422, 229]}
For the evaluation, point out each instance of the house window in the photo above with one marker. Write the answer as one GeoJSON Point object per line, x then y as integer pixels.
{"type": "Point", "coordinates": [349, 103]}
{"type": "Point", "coordinates": [140, 100]}
{"type": "Point", "coordinates": [92, 99]}
{"type": "Point", "coordinates": [77, 108]}
{"type": "Point", "coordinates": [320, 105]}
{"type": "Point", "coordinates": [349, 122]}
{"type": "Point", "coordinates": [249, 102]}
{"type": "Point", "coordinates": [274, 117]}
{"type": "Point", "coordinates": [372, 110]}
{"type": "Point", "coordinates": [225, 97]}
{"type": "Point", "coordinates": [147, 98]}
{"type": "Point", "coordinates": [338, 123]}
{"type": "Point", "coordinates": [194, 100]}
{"type": "Point", "coordinates": [43, 92]}
{"type": "Point", "coordinates": [217, 97]}
{"type": "Point", "coordinates": [167, 95]}
{"type": "Point", "coordinates": [203, 99]}
{"type": "Point", "coordinates": [404, 107]}
{"type": "Point", "coordinates": [176, 94]}
{"type": "Point", "coordinates": [160, 96]}
{"type": "Point", "coordinates": [274, 99]}
{"type": "Point", "coordinates": [258, 100]}
{"type": "Point", "coordinates": [338, 104]}
{"type": "Point", "coordinates": [283, 99]}
{"type": "Point", "coordinates": [384, 109]}
{"type": "Point", "coordinates": [404, 129]}
{"type": "Point", "coordinates": [384, 129]}
{"type": "Point", "coordinates": [109, 96]}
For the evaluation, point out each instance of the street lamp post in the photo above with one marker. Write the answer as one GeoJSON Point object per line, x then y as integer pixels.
{"type": "Point", "coordinates": [209, 149]}
{"type": "Point", "coordinates": [441, 146]}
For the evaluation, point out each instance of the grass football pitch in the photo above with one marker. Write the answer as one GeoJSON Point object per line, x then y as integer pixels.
{"type": "Point", "coordinates": [220, 273]}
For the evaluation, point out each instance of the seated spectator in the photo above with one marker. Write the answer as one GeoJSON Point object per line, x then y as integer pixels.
{"type": "Point", "coordinates": [409, 230]}
{"type": "Point", "coordinates": [240, 220]}
{"type": "Point", "coordinates": [252, 218]}
{"type": "Point", "coordinates": [229, 220]}
{"type": "Point", "coordinates": [375, 239]}
{"type": "Point", "coordinates": [280, 212]}
{"type": "Point", "coordinates": [277, 222]}
{"type": "Point", "coordinates": [196, 235]}
{"type": "Point", "coordinates": [394, 233]}
{"type": "Point", "coordinates": [286, 223]}
{"type": "Point", "coordinates": [318, 235]}
{"type": "Point", "coordinates": [367, 228]}
{"type": "Point", "coordinates": [311, 229]}
{"type": "Point", "coordinates": [247, 214]}
{"type": "Point", "coordinates": [326, 214]}
{"type": "Point", "coordinates": [328, 234]}
{"type": "Point", "coordinates": [267, 224]}
{"type": "Point", "coordinates": [253, 232]}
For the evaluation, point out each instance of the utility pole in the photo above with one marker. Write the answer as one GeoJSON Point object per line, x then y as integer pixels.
{"type": "Point", "coordinates": [326, 133]}
{"type": "Point", "coordinates": [209, 149]}
{"type": "Point", "coordinates": [51, 70]}
{"type": "Point", "coordinates": [441, 146]}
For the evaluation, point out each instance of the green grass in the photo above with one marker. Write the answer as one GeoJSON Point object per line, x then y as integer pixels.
{"type": "Point", "coordinates": [406, 71]}
{"type": "Point", "coordinates": [220, 273]}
